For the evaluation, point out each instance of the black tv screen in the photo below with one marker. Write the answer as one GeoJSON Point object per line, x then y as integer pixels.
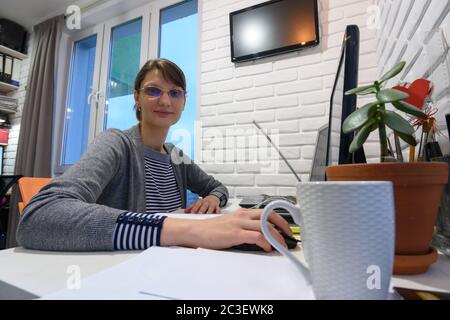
{"type": "Point", "coordinates": [273, 27]}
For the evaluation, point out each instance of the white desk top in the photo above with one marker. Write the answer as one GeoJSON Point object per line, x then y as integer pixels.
{"type": "Point", "coordinates": [43, 272]}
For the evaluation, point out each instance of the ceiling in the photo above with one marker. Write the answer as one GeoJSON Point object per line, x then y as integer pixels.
{"type": "Point", "coordinates": [30, 12]}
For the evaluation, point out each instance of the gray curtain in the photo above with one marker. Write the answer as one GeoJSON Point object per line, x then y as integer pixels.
{"type": "Point", "coordinates": [34, 148]}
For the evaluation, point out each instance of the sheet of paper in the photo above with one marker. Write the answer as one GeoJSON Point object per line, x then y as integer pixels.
{"type": "Point", "coordinates": [183, 273]}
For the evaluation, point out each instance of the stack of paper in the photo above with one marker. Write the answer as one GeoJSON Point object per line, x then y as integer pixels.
{"type": "Point", "coordinates": [183, 273]}
{"type": "Point", "coordinates": [8, 104]}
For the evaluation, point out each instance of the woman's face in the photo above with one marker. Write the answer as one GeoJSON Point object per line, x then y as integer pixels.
{"type": "Point", "coordinates": [161, 102]}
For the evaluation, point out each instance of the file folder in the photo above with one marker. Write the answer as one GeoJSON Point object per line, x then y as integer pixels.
{"type": "Point", "coordinates": [16, 72]}
{"type": "Point", "coordinates": [1, 66]}
{"type": "Point", "coordinates": [4, 135]}
{"type": "Point", "coordinates": [7, 69]}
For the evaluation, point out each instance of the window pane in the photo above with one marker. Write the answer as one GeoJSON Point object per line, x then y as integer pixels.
{"type": "Point", "coordinates": [76, 122]}
{"type": "Point", "coordinates": [125, 52]}
{"type": "Point", "coordinates": [179, 43]}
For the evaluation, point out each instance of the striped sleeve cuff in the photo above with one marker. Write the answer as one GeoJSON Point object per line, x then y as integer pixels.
{"type": "Point", "coordinates": [137, 231]}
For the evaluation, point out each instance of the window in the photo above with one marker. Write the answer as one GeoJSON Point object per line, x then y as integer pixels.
{"type": "Point", "coordinates": [104, 61]}
{"type": "Point", "coordinates": [178, 42]}
{"type": "Point", "coordinates": [78, 107]}
{"type": "Point", "coordinates": [123, 66]}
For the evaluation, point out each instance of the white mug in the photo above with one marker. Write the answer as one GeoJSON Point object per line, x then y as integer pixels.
{"type": "Point", "coordinates": [347, 231]}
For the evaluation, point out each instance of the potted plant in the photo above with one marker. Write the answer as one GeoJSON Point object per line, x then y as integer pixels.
{"type": "Point", "coordinates": [417, 185]}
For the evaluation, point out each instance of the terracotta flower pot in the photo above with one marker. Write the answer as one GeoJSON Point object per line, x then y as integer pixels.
{"type": "Point", "coordinates": [417, 191]}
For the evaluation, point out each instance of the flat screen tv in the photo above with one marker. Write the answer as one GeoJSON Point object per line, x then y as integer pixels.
{"type": "Point", "coordinates": [341, 105]}
{"type": "Point", "coordinates": [273, 27]}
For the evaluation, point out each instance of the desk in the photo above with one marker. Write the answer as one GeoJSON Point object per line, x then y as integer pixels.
{"type": "Point", "coordinates": [43, 272]}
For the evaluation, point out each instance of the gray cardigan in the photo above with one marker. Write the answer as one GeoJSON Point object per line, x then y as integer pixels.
{"type": "Point", "coordinates": [78, 210]}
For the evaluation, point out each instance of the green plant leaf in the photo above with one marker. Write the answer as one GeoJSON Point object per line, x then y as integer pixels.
{"type": "Point", "coordinates": [409, 109]}
{"type": "Point", "coordinates": [393, 72]}
{"type": "Point", "coordinates": [359, 117]}
{"type": "Point", "coordinates": [409, 139]}
{"type": "Point", "coordinates": [359, 90]}
{"type": "Point", "coordinates": [362, 136]}
{"type": "Point", "coordinates": [397, 123]}
{"type": "Point", "coordinates": [367, 91]}
{"type": "Point", "coordinates": [391, 95]}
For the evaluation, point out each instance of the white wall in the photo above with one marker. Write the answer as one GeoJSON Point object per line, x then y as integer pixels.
{"type": "Point", "coordinates": [418, 32]}
{"type": "Point", "coordinates": [287, 92]}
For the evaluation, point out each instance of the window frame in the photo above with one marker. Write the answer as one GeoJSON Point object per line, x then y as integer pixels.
{"type": "Point", "coordinates": [156, 8]}
{"type": "Point", "coordinates": [63, 83]}
{"type": "Point", "coordinates": [143, 12]}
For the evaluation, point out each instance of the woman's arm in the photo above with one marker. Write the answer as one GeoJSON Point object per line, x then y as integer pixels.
{"type": "Point", "coordinates": [199, 182]}
{"type": "Point", "coordinates": [241, 226]}
{"type": "Point", "coordinates": [64, 215]}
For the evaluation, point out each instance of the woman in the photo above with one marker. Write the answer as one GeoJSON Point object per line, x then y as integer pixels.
{"type": "Point", "coordinates": [110, 198]}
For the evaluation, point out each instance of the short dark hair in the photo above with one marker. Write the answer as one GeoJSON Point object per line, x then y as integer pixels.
{"type": "Point", "coordinates": [170, 71]}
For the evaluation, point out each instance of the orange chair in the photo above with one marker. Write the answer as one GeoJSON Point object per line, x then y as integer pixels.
{"type": "Point", "coordinates": [28, 187]}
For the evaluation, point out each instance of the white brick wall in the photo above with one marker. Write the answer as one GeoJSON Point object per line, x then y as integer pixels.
{"type": "Point", "coordinates": [289, 93]}
{"type": "Point", "coordinates": [418, 32]}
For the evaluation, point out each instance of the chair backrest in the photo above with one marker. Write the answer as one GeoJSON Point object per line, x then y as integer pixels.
{"type": "Point", "coordinates": [6, 182]}
{"type": "Point", "coordinates": [30, 186]}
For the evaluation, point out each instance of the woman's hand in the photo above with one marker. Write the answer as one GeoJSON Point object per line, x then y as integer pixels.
{"type": "Point", "coordinates": [223, 232]}
{"type": "Point", "coordinates": [208, 204]}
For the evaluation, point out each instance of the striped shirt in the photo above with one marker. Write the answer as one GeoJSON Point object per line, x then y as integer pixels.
{"type": "Point", "coordinates": [161, 190]}
{"type": "Point", "coordinates": [138, 231]}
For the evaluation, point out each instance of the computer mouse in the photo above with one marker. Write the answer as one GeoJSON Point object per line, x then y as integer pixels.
{"type": "Point", "coordinates": [290, 242]}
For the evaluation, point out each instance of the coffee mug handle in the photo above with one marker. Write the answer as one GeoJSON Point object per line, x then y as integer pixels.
{"type": "Point", "coordinates": [295, 212]}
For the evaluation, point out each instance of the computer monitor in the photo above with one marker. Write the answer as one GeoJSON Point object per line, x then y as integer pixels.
{"type": "Point", "coordinates": [341, 105]}
{"type": "Point", "coordinates": [320, 156]}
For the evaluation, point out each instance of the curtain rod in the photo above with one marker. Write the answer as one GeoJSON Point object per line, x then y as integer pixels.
{"type": "Point", "coordinates": [89, 6]}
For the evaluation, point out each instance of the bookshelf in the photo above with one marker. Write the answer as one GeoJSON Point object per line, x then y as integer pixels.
{"type": "Point", "coordinates": [6, 87]}
{"type": "Point", "coordinates": [12, 53]}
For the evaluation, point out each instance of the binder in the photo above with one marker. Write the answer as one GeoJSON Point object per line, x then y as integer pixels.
{"type": "Point", "coordinates": [1, 160]}
{"type": "Point", "coordinates": [7, 69]}
{"type": "Point", "coordinates": [16, 72]}
{"type": "Point", "coordinates": [1, 66]}
{"type": "Point", "coordinates": [4, 136]}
